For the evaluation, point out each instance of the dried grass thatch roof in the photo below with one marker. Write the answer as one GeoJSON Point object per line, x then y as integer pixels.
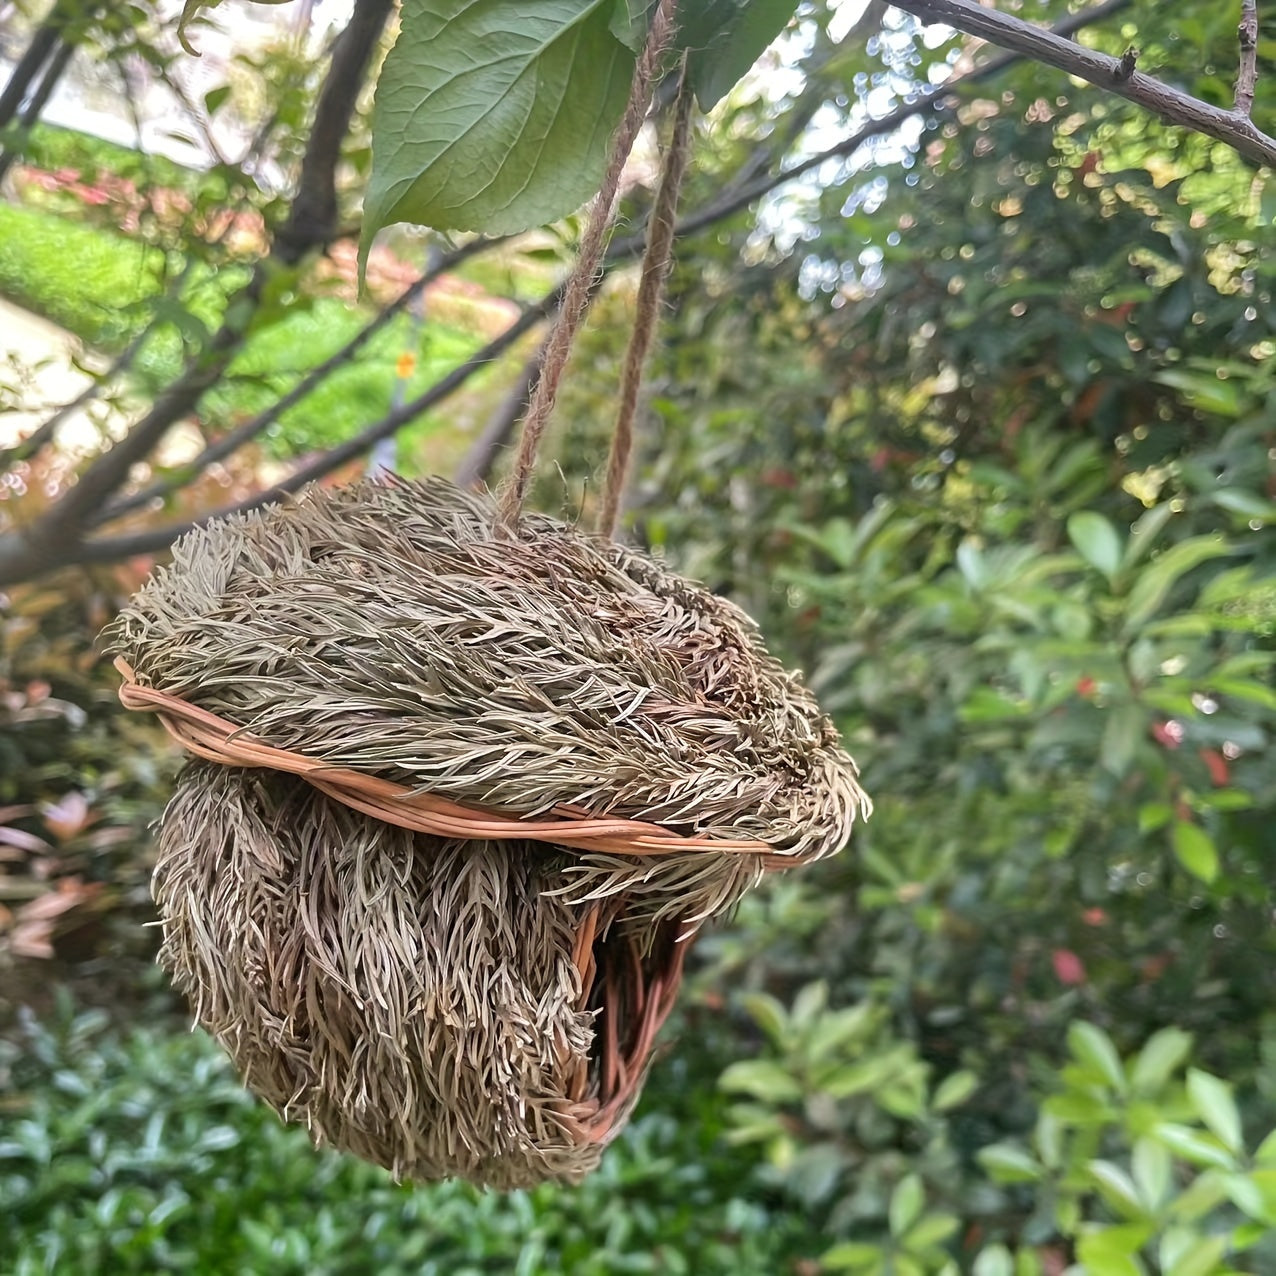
{"type": "Point", "coordinates": [427, 1003]}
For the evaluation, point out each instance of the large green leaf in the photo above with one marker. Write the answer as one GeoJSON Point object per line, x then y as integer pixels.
{"type": "Point", "coordinates": [494, 115]}
{"type": "Point", "coordinates": [725, 38]}
{"type": "Point", "coordinates": [1097, 541]}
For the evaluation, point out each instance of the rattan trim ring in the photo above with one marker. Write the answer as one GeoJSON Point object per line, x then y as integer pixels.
{"type": "Point", "coordinates": [215, 739]}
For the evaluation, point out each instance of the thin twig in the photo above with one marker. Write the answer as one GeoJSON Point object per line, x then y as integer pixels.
{"type": "Point", "coordinates": [229, 442]}
{"type": "Point", "coordinates": [651, 288]}
{"type": "Point", "coordinates": [112, 549]}
{"type": "Point", "coordinates": [580, 283]}
{"type": "Point", "coordinates": [1247, 77]}
{"type": "Point", "coordinates": [496, 432]}
{"type": "Point", "coordinates": [1171, 104]}
{"type": "Point", "coordinates": [20, 558]}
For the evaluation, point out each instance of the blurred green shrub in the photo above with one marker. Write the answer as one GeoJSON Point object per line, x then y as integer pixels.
{"type": "Point", "coordinates": [1135, 1167]}
{"type": "Point", "coordinates": [139, 1151]}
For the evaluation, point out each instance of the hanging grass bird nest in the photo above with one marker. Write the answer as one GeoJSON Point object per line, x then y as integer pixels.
{"type": "Point", "coordinates": [462, 799]}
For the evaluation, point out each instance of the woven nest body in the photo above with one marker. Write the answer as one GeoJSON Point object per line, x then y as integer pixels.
{"type": "Point", "coordinates": [480, 1005]}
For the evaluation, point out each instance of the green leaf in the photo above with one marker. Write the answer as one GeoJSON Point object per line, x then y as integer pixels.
{"type": "Point", "coordinates": [1248, 504]}
{"type": "Point", "coordinates": [1091, 1046]}
{"type": "Point", "coordinates": [1248, 1197]}
{"type": "Point", "coordinates": [1194, 849]}
{"type": "Point", "coordinates": [906, 1204]}
{"type": "Point", "coordinates": [851, 1256]}
{"type": "Point", "coordinates": [725, 38]}
{"type": "Point", "coordinates": [762, 1078]}
{"type": "Point", "coordinates": [1156, 579]}
{"type": "Point", "coordinates": [1112, 1251]}
{"type": "Point", "coordinates": [1006, 1163]}
{"type": "Point", "coordinates": [954, 1090]}
{"type": "Point", "coordinates": [1201, 1258]}
{"type": "Point", "coordinates": [934, 1229]}
{"type": "Point", "coordinates": [630, 22]}
{"type": "Point", "coordinates": [1205, 391]}
{"type": "Point", "coordinates": [767, 1012]}
{"type": "Point", "coordinates": [994, 1260]}
{"type": "Point", "coordinates": [1096, 541]}
{"type": "Point", "coordinates": [1117, 1188]}
{"type": "Point", "coordinates": [1163, 1052]}
{"type": "Point", "coordinates": [1154, 815]}
{"type": "Point", "coordinates": [1213, 1102]}
{"type": "Point", "coordinates": [1193, 1146]}
{"type": "Point", "coordinates": [1266, 1154]}
{"type": "Point", "coordinates": [1123, 732]}
{"type": "Point", "coordinates": [1153, 1169]}
{"type": "Point", "coordinates": [494, 115]}
{"type": "Point", "coordinates": [1144, 532]}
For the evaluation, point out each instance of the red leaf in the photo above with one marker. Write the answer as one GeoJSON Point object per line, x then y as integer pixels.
{"type": "Point", "coordinates": [1068, 967]}
{"type": "Point", "coordinates": [1220, 772]}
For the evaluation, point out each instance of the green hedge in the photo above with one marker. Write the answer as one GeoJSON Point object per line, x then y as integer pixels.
{"type": "Point", "coordinates": [140, 1152]}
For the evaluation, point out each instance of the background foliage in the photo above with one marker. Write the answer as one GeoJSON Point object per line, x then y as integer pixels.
{"type": "Point", "coordinates": [979, 425]}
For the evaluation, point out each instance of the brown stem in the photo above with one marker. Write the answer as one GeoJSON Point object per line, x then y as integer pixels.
{"type": "Point", "coordinates": [1171, 104]}
{"type": "Point", "coordinates": [477, 466]}
{"type": "Point", "coordinates": [1247, 77]}
{"type": "Point", "coordinates": [54, 538]}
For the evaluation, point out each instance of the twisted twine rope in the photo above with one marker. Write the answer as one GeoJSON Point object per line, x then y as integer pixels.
{"type": "Point", "coordinates": [580, 287]}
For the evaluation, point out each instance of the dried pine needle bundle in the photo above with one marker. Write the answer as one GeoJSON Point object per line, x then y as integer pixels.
{"type": "Point", "coordinates": [533, 765]}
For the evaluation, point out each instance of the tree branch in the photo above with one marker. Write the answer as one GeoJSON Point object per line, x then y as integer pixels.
{"type": "Point", "coordinates": [29, 64]}
{"type": "Point", "coordinates": [1171, 104]}
{"type": "Point", "coordinates": [229, 442]}
{"type": "Point", "coordinates": [312, 218]}
{"type": "Point", "coordinates": [1247, 77]}
{"type": "Point", "coordinates": [932, 99]}
{"type": "Point", "coordinates": [499, 427]}
{"type": "Point", "coordinates": [55, 536]}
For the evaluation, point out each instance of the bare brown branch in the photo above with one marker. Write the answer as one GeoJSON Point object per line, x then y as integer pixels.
{"type": "Point", "coordinates": [55, 537]}
{"type": "Point", "coordinates": [1247, 77]}
{"type": "Point", "coordinates": [229, 442]}
{"type": "Point", "coordinates": [477, 466]}
{"type": "Point", "coordinates": [21, 557]}
{"type": "Point", "coordinates": [1042, 45]}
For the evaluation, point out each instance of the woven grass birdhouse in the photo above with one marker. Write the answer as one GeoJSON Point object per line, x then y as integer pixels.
{"type": "Point", "coordinates": [460, 801]}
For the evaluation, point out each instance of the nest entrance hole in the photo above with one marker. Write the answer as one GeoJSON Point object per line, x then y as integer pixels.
{"type": "Point", "coordinates": [630, 990]}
